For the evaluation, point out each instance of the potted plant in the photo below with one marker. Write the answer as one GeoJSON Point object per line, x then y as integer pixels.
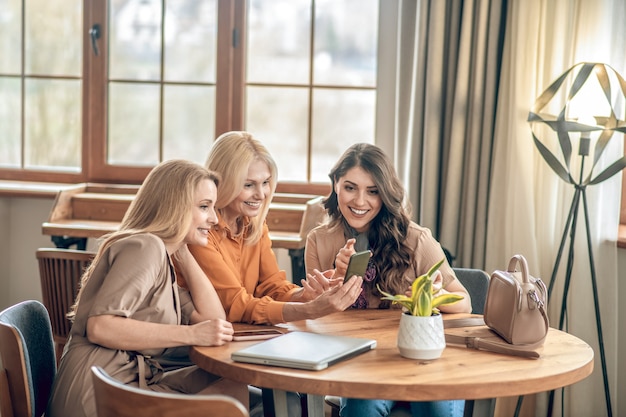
{"type": "Point", "coordinates": [420, 335]}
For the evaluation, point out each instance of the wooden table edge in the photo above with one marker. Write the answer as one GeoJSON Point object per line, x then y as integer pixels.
{"type": "Point", "coordinates": [276, 378]}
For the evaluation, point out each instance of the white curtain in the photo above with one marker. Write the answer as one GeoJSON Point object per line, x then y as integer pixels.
{"type": "Point", "coordinates": [529, 202]}
{"type": "Point", "coordinates": [468, 172]}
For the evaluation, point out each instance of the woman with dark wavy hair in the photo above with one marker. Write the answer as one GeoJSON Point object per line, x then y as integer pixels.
{"type": "Point", "coordinates": [367, 211]}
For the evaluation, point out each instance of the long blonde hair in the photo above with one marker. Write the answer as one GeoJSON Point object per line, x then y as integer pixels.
{"type": "Point", "coordinates": [231, 157]}
{"type": "Point", "coordinates": [161, 207]}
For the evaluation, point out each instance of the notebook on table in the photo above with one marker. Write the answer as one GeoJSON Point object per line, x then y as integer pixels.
{"type": "Point", "coordinates": [304, 350]}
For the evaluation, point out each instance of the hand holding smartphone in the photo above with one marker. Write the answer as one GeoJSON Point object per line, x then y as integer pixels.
{"type": "Point", "coordinates": [357, 264]}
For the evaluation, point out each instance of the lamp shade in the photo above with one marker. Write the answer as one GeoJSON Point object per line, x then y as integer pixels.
{"type": "Point", "coordinates": [587, 99]}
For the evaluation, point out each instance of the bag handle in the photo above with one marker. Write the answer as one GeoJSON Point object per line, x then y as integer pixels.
{"type": "Point", "coordinates": [478, 343]}
{"type": "Point", "coordinates": [519, 259]}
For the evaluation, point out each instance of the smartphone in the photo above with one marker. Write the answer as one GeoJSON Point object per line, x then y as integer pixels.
{"type": "Point", "coordinates": [357, 264]}
{"type": "Point", "coordinates": [255, 334]}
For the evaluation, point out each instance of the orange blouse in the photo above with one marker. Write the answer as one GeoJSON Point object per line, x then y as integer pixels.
{"type": "Point", "coordinates": [247, 278]}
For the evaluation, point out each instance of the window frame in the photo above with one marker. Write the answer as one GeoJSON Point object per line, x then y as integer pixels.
{"type": "Point", "coordinates": [230, 105]}
{"type": "Point", "coordinates": [229, 87]}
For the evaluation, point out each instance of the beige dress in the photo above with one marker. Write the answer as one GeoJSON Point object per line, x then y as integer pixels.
{"type": "Point", "coordinates": [134, 279]}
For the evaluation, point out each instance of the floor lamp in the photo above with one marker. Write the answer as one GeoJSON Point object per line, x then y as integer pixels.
{"type": "Point", "coordinates": [581, 102]}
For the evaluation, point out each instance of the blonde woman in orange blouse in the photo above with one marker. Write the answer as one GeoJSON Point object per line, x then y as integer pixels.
{"type": "Point", "coordinates": [238, 258]}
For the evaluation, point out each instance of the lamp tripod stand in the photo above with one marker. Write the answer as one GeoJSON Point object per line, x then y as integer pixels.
{"type": "Point", "coordinates": [570, 228]}
{"type": "Point", "coordinates": [590, 92]}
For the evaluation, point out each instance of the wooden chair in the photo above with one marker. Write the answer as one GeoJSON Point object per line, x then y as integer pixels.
{"type": "Point", "coordinates": [115, 399]}
{"type": "Point", "coordinates": [28, 360]}
{"type": "Point", "coordinates": [60, 271]}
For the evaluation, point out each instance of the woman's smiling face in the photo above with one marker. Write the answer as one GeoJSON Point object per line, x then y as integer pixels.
{"type": "Point", "coordinates": [255, 190]}
{"type": "Point", "coordinates": [204, 216]}
{"type": "Point", "coordinates": [358, 198]}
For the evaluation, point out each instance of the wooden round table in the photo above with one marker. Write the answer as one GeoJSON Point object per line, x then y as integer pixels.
{"type": "Point", "coordinates": [460, 373]}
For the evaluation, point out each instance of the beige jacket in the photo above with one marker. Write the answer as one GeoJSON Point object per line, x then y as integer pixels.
{"type": "Point", "coordinates": [324, 242]}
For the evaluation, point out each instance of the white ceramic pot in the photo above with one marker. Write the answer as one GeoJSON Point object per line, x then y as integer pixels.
{"type": "Point", "coordinates": [421, 337]}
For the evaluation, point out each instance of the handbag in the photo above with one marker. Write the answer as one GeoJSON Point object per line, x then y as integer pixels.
{"type": "Point", "coordinates": [516, 305]}
{"type": "Point", "coordinates": [515, 321]}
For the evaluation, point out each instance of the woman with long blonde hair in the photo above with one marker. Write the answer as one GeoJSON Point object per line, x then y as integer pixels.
{"type": "Point", "coordinates": [130, 315]}
{"type": "Point", "coordinates": [238, 258]}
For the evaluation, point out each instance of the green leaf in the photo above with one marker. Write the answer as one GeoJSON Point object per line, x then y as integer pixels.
{"type": "Point", "coordinates": [424, 305]}
{"type": "Point", "coordinates": [386, 295]}
{"type": "Point", "coordinates": [435, 267]}
{"type": "Point", "coordinates": [422, 302]}
{"type": "Point", "coordinates": [401, 299]}
{"type": "Point", "coordinates": [445, 299]}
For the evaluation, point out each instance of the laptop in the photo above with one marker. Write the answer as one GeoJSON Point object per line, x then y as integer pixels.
{"type": "Point", "coordinates": [304, 350]}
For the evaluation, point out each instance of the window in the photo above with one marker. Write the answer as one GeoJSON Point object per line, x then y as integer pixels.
{"type": "Point", "coordinates": [41, 86]}
{"type": "Point", "coordinates": [104, 90]}
{"type": "Point", "coordinates": [157, 93]}
{"type": "Point", "coordinates": [311, 80]}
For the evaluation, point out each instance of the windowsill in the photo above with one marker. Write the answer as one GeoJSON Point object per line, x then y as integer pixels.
{"type": "Point", "coordinates": [50, 190]}
{"type": "Point", "coordinates": [30, 189]}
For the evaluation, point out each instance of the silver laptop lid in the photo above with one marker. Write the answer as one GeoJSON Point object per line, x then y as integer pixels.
{"type": "Point", "coordinates": [304, 350]}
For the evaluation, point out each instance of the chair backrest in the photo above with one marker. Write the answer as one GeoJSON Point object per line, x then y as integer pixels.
{"type": "Point", "coordinates": [60, 271]}
{"type": "Point", "coordinates": [476, 281]}
{"type": "Point", "coordinates": [314, 215]}
{"type": "Point", "coordinates": [115, 399]}
{"type": "Point", "coordinates": [28, 360]}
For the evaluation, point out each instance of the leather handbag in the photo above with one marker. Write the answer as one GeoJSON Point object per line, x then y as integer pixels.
{"type": "Point", "coordinates": [516, 305]}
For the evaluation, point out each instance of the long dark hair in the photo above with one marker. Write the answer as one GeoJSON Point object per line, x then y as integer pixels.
{"type": "Point", "coordinates": [388, 230]}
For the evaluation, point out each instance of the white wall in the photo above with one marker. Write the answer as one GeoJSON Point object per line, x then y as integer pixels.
{"type": "Point", "coordinates": [20, 223]}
